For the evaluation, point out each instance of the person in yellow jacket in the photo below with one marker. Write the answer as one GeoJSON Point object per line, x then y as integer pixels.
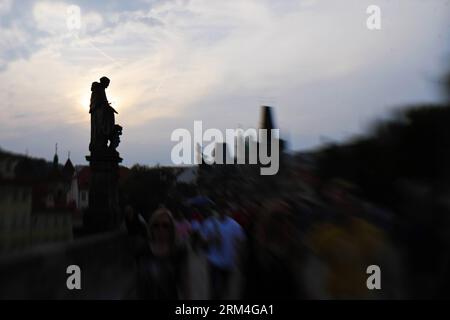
{"type": "Point", "coordinates": [346, 245]}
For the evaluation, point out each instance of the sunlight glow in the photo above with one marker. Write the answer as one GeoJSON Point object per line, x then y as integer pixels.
{"type": "Point", "coordinates": [85, 99]}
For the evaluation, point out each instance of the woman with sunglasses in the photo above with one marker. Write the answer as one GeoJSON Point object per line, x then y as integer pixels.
{"type": "Point", "coordinates": [162, 265]}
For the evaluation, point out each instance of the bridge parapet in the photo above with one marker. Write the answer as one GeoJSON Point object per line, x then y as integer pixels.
{"type": "Point", "coordinates": [106, 261]}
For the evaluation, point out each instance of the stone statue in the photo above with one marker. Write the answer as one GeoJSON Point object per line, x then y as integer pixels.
{"type": "Point", "coordinates": [103, 212]}
{"type": "Point", "coordinates": [105, 133]}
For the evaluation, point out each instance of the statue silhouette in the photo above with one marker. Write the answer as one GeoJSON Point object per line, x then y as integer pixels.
{"type": "Point", "coordinates": [103, 212]}
{"type": "Point", "coordinates": [103, 127]}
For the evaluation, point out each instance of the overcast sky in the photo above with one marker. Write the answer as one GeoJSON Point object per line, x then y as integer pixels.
{"type": "Point", "coordinates": [173, 62]}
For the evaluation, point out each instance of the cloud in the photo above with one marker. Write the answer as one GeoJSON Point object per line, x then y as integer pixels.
{"type": "Point", "coordinates": [14, 44]}
{"type": "Point", "coordinates": [5, 6]}
{"type": "Point", "coordinates": [173, 62]}
{"type": "Point", "coordinates": [50, 17]}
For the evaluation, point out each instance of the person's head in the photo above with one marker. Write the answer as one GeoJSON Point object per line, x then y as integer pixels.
{"type": "Point", "coordinates": [129, 212]}
{"type": "Point", "coordinates": [276, 227]}
{"type": "Point", "coordinates": [105, 82]}
{"type": "Point", "coordinates": [162, 228]}
{"type": "Point", "coordinates": [222, 208]}
{"type": "Point", "coordinates": [335, 191]}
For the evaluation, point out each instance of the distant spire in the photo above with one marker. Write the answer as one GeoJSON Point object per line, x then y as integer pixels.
{"type": "Point", "coordinates": [267, 123]}
{"type": "Point", "coordinates": [68, 169]}
{"type": "Point", "coordinates": [55, 158]}
{"type": "Point", "coordinates": [266, 120]}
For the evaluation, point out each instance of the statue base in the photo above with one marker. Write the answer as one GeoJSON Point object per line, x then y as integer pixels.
{"type": "Point", "coordinates": [103, 213]}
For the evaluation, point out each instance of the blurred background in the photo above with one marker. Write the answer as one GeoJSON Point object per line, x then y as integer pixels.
{"type": "Point", "coordinates": [364, 175]}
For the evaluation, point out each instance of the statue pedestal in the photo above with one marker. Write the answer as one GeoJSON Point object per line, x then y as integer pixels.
{"type": "Point", "coordinates": [103, 213]}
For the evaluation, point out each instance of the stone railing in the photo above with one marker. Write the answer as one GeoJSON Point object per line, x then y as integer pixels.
{"type": "Point", "coordinates": [106, 262]}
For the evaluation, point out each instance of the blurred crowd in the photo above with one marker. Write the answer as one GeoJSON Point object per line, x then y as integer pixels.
{"type": "Point", "coordinates": [308, 246]}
